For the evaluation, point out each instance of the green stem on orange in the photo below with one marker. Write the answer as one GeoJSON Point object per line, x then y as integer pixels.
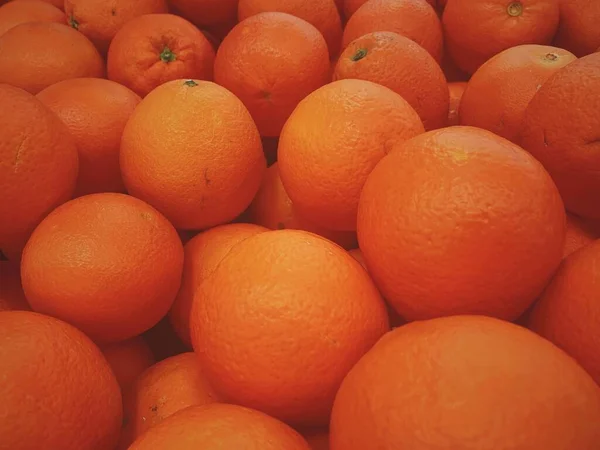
{"type": "Point", "coordinates": [190, 83]}
{"type": "Point", "coordinates": [360, 54]}
{"type": "Point", "coordinates": [73, 22]}
{"type": "Point", "coordinates": [167, 55]}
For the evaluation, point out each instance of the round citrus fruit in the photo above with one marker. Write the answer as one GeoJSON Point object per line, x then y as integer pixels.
{"type": "Point", "coordinates": [128, 359]}
{"type": "Point", "coordinates": [16, 13]}
{"type": "Point", "coordinates": [578, 29]}
{"type": "Point", "coordinates": [12, 297]}
{"type": "Point", "coordinates": [457, 89]}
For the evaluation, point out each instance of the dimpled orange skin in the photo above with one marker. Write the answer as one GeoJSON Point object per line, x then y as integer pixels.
{"type": "Point", "coordinates": [402, 65]}
{"type": "Point", "coordinates": [199, 177]}
{"type": "Point", "coordinates": [469, 383]}
{"type": "Point", "coordinates": [108, 263]}
{"type": "Point", "coordinates": [38, 166]}
{"type": "Point", "coordinates": [202, 254]}
{"type": "Point", "coordinates": [12, 297]}
{"type": "Point", "coordinates": [499, 91]}
{"type": "Point", "coordinates": [57, 390]}
{"type": "Point", "coordinates": [415, 19]}
{"type": "Point", "coordinates": [578, 29]}
{"type": "Point", "coordinates": [271, 61]}
{"type": "Point", "coordinates": [281, 321]}
{"type": "Point", "coordinates": [16, 13]}
{"type": "Point", "coordinates": [561, 129]}
{"type": "Point", "coordinates": [475, 227]}
{"type": "Point", "coordinates": [579, 234]}
{"type": "Point", "coordinates": [457, 89]}
{"type": "Point", "coordinates": [128, 359]}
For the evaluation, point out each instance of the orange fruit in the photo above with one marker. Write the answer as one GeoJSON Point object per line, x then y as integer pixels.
{"type": "Point", "coordinates": [100, 20]}
{"type": "Point", "coordinates": [457, 89]}
{"type": "Point", "coordinates": [579, 234]}
{"type": "Point", "coordinates": [202, 254]}
{"type": "Point", "coordinates": [219, 426]}
{"type": "Point", "coordinates": [271, 61]}
{"type": "Point", "coordinates": [500, 90]}
{"type": "Point", "coordinates": [153, 49]}
{"type": "Point", "coordinates": [12, 297]}
{"type": "Point", "coordinates": [207, 13]}
{"type": "Point", "coordinates": [466, 382]}
{"type": "Point", "coordinates": [128, 359]}
{"type": "Point", "coordinates": [561, 130]}
{"type": "Point", "coordinates": [333, 140]}
{"type": "Point", "coordinates": [95, 111]}
{"type": "Point", "coordinates": [57, 390]}
{"type": "Point", "coordinates": [578, 31]}
{"type": "Point", "coordinates": [475, 226]}
{"type": "Point", "coordinates": [322, 14]}
{"type": "Point", "coordinates": [403, 66]}
{"type": "Point", "coordinates": [16, 13]}
{"type": "Point", "coordinates": [469, 27]}
{"type": "Point", "coordinates": [160, 391]}
{"type": "Point", "coordinates": [38, 166]}
{"type": "Point", "coordinates": [281, 321]}
{"type": "Point", "coordinates": [415, 19]}
{"type": "Point", "coordinates": [108, 263]}
{"type": "Point", "coordinates": [36, 55]}
{"type": "Point", "coordinates": [273, 209]}
{"type": "Point", "coordinates": [317, 439]}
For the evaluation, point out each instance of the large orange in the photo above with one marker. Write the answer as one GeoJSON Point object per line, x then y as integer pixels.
{"type": "Point", "coordinates": [473, 224]}
{"type": "Point", "coordinates": [476, 31]}
{"type": "Point", "coordinates": [415, 19]}
{"type": "Point", "coordinates": [212, 14]}
{"type": "Point", "coordinates": [351, 6]}
{"type": "Point", "coordinates": [403, 66]}
{"type": "Point", "coordinates": [466, 382]}
{"type": "Point", "coordinates": [38, 166]}
{"type": "Point", "coordinates": [16, 13]}
{"type": "Point", "coordinates": [281, 321]}
{"type": "Point", "coordinates": [153, 49]}
{"type": "Point", "coordinates": [457, 89]}
{"type": "Point", "coordinates": [271, 61]}
{"type": "Point", "coordinates": [578, 29]}
{"type": "Point", "coordinates": [128, 359]}
{"type": "Point", "coordinates": [202, 254]}
{"type": "Point", "coordinates": [561, 130]}
{"type": "Point", "coordinates": [12, 297]}
{"type": "Point", "coordinates": [499, 91]}
{"type": "Point", "coordinates": [108, 263]}
{"type": "Point", "coordinates": [57, 390]}
{"type": "Point", "coordinates": [95, 111]}
{"type": "Point", "coordinates": [333, 140]}
{"type": "Point", "coordinates": [579, 234]}
{"type": "Point", "coordinates": [198, 176]}
{"type": "Point", "coordinates": [35, 55]}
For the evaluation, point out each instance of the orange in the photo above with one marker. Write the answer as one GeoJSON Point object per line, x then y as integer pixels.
{"type": "Point", "coordinates": [207, 13]}
{"type": "Point", "coordinates": [473, 225]}
{"type": "Point", "coordinates": [12, 297]}
{"type": "Point", "coordinates": [415, 19]}
{"type": "Point", "coordinates": [322, 14]}
{"type": "Point", "coordinates": [216, 426]}
{"type": "Point", "coordinates": [108, 263]}
{"type": "Point", "coordinates": [203, 253]}
{"type": "Point", "coordinates": [333, 140]}
{"type": "Point", "coordinates": [578, 30]}
{"type": "Point", "coordinates": [272, 208]}
{"type": "Point", "coordinates": [160, 391]}
{"type": "Point", "coordinates": [95, 111]}
{"type": "Point", "coordinates": [16, 13]}
{"type": "Point", "coordinates": [128, 359]}
{"type": "Point", "coordinates": [469, 27]}
{"type": "Point", "coordinates": [500, 90]}
{"type": "Point", "coordinates": [457, 89]}
{"type": "Point", "coordinates": [466, 382]}
{"type": "Point", "coordinates": [271, 61]}
{"type": "Point", "coordinates": [579, 234]}
{"type": "Point", "coordinates": [153, 49]}
{"type": "Point", "coordinates": [199, 177]}
{"type": "Point", "coordinates": [351, 6]}
{"type": "Point", "coordinates": [568, 313]}
{"type": "Point", "coordinates": [317, 439]}
{"type": "Point", "coordinates": [38, 166]}
{"type": "Point", "coordinates": [281, 321]}
{"type": "Point", "coordinates": [36, 55]}
{"type": "Point", "coordinates": [403, 66]}
{"type": "Point", "coordinates": [57, 390]}
{"type": "Point", "coordinates": [100, 20]}
{"type": "Point", "coordinates": [561, 130]}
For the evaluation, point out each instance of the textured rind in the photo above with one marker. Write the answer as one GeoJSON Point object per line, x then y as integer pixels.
{"type": "Point", "coordinates": [15, 13]}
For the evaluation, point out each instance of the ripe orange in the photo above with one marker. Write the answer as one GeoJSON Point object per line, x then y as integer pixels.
{"type": "Point", "coordinates": [561, 130]}
{"type": "Point", "coordinates": [16, 13]}
{"type": "Point", "coordinates": [128, 359]}
{"type": "Point", "coordinates": [466, 382]}
{"type": "Point", "coordinates": [475, 226]}
{"type": "Point", "coordinates": [271, 61]}
{"type": "Point", "coordinates": [218, 426]}
{"type": "Point", "coordinates": [578, 30]}
{"type": "Point", "coordinates": [12, 297]}
{"type": "Point", "coordinates": [153, 49]}
{"type": "Point", "coordinates": [403, 66]}
{"type": "Point", "coordinates": [281, 321]}
{"type": "Point", "coordinates": [415, 19]}
{"type": "Point", "coordinates": [57, 390]}
{"type": "Point", "coordinates": [213, 14]}
{"type": "Point", "coordinates": [108, 263]}
{"type": "Point", "coordinates": [351, 6]}
{"type": "Point", "coordinates": [579, 234]}
{"type": "Point", "coordinates": [500, 90]}
{"type": "Point", "coordinates": [568, 313]}
{"type": "Point", "coordinates": [457, 89]}
{"type": "Point", "coordinates": [333, 140]}
{"type": "Point", "coordinates": [198, 176]}
{"type": "Point", "coordinates": [38, 166]}
{"type": "Point", "coordinates": [95, 111]}
{"type": "Point", "coordinates": [36, 55]}
{"type": "Point", "coordinates": [203, 253]}
{"type": "Point", "coordinates": [476, 31]}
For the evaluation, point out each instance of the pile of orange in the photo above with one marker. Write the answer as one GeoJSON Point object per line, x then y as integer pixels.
{"type": "Point", "coordinates": [300, 224]}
